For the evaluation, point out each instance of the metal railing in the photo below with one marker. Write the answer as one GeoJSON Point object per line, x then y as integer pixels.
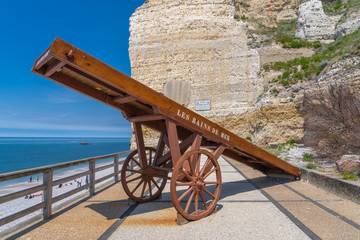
{"type": "Point", "coordinates": [49, 183]}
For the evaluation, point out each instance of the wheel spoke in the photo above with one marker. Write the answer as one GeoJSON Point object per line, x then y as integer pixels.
{"type": "Point", "coordinates": [186, 174]}
{"type": "Point", "coordinates": [203, 199]}
{"type": "Point", "coordinates": [134, 179]}
{"type": "Point", "coordinates": [137, 186]}
{"type": "Point", "coordinates": [136, 162]}
{"type": "Point", "coordinates": [184, 194]}
{"type": "Point", "coordinates": [208, 192]}
{"type": "Point", "coordinates": [184, 184]}
{"type": "Point", "coordinates": [134, 171]}
{"type": "Point", "coordinates": [211, 183]}
{"type": "Point", "coordinates": [196, 203]}
{"type": "Point", "coordinates": [192, 170]}
{"type": "Point", "coordinates": [150, 153]}
{"type": "Point", "coordinates": [150, 189]}
{"type": "Point", "coordinates": [143, 190]}
{"type": "Point", "coordinates": [210, 172]}
{"type": "Point", "coordinates": [155, 183]}
{"type": "Point", "coordinates": [205, 166]}
{"type": "Point", "coordinates": [198, 158]}
{"type": "Point", "coordinates": [189, 201]}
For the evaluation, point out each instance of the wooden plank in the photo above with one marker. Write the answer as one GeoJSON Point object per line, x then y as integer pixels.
{"type": "Point", "coordinates": [116, 168]}
{"type": "Point", "coordinates": [56, 67]}
{"type": "Point", "coordinates": [20, 194]}
{"type": "Point", "coordinates": [92, 177]}
{"type": "Point", "coordinates": [146, 118]}
{"type": "Point", "coordinates": [122, 100]}
{"type": "Point", "coordinates": [173, 141]}
{"type": "Point", "coordinates": [47, 196]}
{"type": "Point", "coordinates": [98, 169]}
{"type": "Point", "coordinates": [219, 151]}
{"type": "Point", "coordinates": [105, 178]}
{"type": "Point", "coordinates": [160, 149]}
{"type": "Point", "coordinates": [140, 144]}
{"type": "Point", "coordinates": [42, 59]}
{"type": "Point", "coordinates": [22, 213]}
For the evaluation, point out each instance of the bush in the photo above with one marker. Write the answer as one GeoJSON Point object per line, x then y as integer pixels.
{"type": "Point", "coordinates": [243, 17]}
{"type": "Point", "coordinates": [285, 82]}
{"type": "Point", "coordinates": [316, 44]}
{"type": "Point", "coordinates": [292, 141]}
{"type": "Point", "coordinates": [286, 74]}
{"type": "Point", "coordinates": [349, 176]}
{"type": "Point", "coordinates": [236, 16]}
{"type": "Point", "coordinates": [275, 91]}
{"type": "Point", "coordinates": [311, 166]}
{"type": "Point", "coordinates": [249, 139]}
{"type": "Point", "coordinates": [298, 75]}
{"type": "Point", "coordinates": [308, 157]}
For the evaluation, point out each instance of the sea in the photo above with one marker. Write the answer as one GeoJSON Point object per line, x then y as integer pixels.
{"type": "Point", "coordinates": [18, 153]}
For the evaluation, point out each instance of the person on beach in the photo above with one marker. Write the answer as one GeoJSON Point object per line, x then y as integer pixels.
{"type": "Point", "coordinates": [87, 179]}
{"type": "Point", "coordinates": [30, 178]}
{"type": "Point", "coordinates": [78, 181]}
{"type": "Point", "coordinates": [37, 179]}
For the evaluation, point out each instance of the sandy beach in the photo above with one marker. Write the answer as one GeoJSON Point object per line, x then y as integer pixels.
{"type": "Point", "coordinates": [22, 203]}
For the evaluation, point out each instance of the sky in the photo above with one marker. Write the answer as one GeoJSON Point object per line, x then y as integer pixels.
{"type": "Point", "coordinates": [32, 106]}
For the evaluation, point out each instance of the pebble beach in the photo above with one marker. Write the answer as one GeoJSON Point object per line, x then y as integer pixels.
{"type": "Point", "coordinates": [19, 204]}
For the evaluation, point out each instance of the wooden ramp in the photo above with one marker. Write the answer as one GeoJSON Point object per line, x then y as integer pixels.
{"type": "Point", "coordinates": [180, 127]}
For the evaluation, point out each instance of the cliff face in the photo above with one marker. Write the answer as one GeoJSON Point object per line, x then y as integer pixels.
{"type": "Point", "coordinates": [207, 50]}
{"type": "Point", "coordinates": [195, 50]}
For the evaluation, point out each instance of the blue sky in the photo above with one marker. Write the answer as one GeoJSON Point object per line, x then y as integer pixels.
{"type": "Point", "coordinates": [32, 106]}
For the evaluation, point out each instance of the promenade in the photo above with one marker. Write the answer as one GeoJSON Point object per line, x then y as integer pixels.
{"type": "Point", "coordinates": [251, 206]}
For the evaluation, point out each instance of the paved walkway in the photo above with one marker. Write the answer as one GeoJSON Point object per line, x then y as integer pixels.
{"type": "Point", "coordinates": [251, 206]}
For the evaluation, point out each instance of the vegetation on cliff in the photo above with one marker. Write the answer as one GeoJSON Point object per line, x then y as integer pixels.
{"type": "Point", "coordinates": [338, 7]}
{"type": "Point", "coordinates": [305, 68]}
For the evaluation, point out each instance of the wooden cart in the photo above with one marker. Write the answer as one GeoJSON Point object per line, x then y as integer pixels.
{"type": "Point", "coordinates": [188, 146]}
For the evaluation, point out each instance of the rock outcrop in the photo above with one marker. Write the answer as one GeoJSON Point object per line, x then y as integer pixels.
{"type": "Point", "coordinates": [313, 24]}
{"type": "Point", "coordinates": [351, 24]}
{"type": "Point", "coordinates": [268, 11]}
{"type": "Point", "coordinates": [350, 163]}
{"type": "Point", "coordinates": [268, 123]}
{"type": "Point", "coordinates": [331, 109]}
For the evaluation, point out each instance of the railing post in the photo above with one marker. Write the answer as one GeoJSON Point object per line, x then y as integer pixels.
{"type": "Point", "coordinates": [92, 178]}
{"type": "Point", "coordinates": [116, 168]}
{"type": "Point", "coordinates": [48, 182]}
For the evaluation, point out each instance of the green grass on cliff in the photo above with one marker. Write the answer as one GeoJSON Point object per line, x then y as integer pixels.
{"type": "Point", "coordinates": [337, 7]}
{"type": "Point", "coordinates": [284, 34]}
{"type": "Point", "coordinates": [305, 68]}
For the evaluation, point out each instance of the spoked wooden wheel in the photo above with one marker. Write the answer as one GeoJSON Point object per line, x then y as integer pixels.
{"type": "Point", "coordinates": [141, 185]}
{"type": "Point", "coordinates": [195, 184]}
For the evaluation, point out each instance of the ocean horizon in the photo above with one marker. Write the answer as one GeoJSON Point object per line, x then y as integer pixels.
{"type": "Point", "coordinates": [19, 153]}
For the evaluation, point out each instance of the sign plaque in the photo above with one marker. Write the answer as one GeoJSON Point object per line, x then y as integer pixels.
{"type": "Point", "coordinates": [203, 105]}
